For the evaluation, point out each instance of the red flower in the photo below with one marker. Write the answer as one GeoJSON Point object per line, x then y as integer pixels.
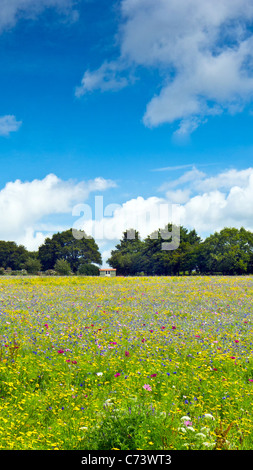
{"type": "Point", "coordinates": [173, 328]}
{"type": "Point", "coordinates": [60, 351]}
{"type": "Point", "coordinates": [215, 368]}
{"type": "Point", "coordinates": [153, 375]}
{"type": "Point", "coordinates": [74, 362]}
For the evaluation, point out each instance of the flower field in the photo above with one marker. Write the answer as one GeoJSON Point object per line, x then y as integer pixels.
{"type": "Point", "coordinates": [126, 363]}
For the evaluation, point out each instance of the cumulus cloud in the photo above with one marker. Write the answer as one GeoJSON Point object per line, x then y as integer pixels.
{"type": "Point", "coordinates": [23, 205]}
{"type": "Point", "coordinates": [9, 124]}
{"type": "Point", "coordinates": [202, 49]}
{"type": "Point", "coordinates": [12, 10]}
{"type": "Point", "coordinates": [221, 200]}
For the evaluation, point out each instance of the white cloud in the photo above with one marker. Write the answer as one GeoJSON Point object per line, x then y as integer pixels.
{"type": "Point", "coordinates": [12, 10]}
{"type": "Point", "coordinates": [222, 200]}
{"type": "Point", "coordinates": [24, 204]}
{"type": "Point", "coordinates": [202, 48]}
{"type": "Point", "coordinates": [8, 124]}
{"type": "Point", "coordinates": [106, 78]}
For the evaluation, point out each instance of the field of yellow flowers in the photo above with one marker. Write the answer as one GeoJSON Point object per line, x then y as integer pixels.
{"type": "Point", "coordinates": [126, 363]}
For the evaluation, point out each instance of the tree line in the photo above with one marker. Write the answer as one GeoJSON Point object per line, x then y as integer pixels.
{"type": "Point", "coordinates": [62, 254]}
{"type": "Point", "coordinates": [227, 252]}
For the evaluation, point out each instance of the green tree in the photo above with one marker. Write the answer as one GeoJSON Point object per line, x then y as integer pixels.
{"type": "Point", "coordinates": [229, 251]}
{"type": "Point", "coordinates": [65, 246]}
{"type": "Point", "coordinates": [88, 270]}
{"type": "Point", "coordinates": [126, 257]}
{"type": "Point", "coordinates": [12, 255]}
{"type": "Point", "coordinates": [62, 267]}
{"type": "Point", "coordinates": [32, 265]}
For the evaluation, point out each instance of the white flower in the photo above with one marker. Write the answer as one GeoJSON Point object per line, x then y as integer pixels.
{"type": "Point", "coordinates": [185, 418]}
{"type": "Point", "coordinates": [201, 435]}
{"type": "Point", "coordinates": [208, 444]}
{"type": "Point", "coordinates": [99, 373]}
{"type": "Point", "coordinates": [181, 429]}
{"type": "Point", "coordinates": [190, 428]}
{"type": "Point", "coordinates": [208, 416]}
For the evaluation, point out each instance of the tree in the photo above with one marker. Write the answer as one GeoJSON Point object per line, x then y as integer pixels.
{"type": "Point", "coordinates": [32, 265]}
{"type": "Point", "coordinates": [229, 251]}
{"type": "Point", "coordinates": [62, 267]}
{"type": "Point", "coordinates": [12, 255]}
{"type": "Point", "coordinates": [126, 257]}
{"type": "Point", "coordinates": [88, 270]}
{"type": "Point", "coordinates": [65, 246]}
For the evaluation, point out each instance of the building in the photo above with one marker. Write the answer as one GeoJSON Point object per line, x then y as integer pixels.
{"type": "Point", "coordinates": [109, 272]}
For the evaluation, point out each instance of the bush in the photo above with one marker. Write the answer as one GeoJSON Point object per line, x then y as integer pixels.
{"type": "Point", "coordinates": [88, 270]}
{"type": "Point", "coordinates": [33, 265]}
{"type": "Point", "coordinates": [2, 271]}
{"type": "Point", "coordinates": [62, 267]}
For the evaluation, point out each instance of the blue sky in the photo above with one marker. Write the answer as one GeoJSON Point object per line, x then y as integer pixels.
{"type": "Point", "coordinates": [142, 102]}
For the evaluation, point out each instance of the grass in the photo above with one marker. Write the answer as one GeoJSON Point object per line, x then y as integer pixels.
{"type": "Point", "coordinates": [126, 363]}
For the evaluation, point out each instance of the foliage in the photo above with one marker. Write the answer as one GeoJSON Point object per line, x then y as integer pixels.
{"type": "Point", "coordinates": [62, 267]}
{"type": "Point", "coordinates": [88, 269]}
{"type": "Point", "coordinates": [64, 246]}
{"type": "Point", "coordinates": [32, 265]}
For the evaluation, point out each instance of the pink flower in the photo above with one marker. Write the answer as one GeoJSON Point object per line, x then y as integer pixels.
{"type": "Point", "coordinates": [46, 325]}
{"type": "Point", "coordinates": [127, 353]}
{"type": "Point", "coordinates": [117, 375]}
{"type": "Point", "coordinates": [173, 328]}
{"type": "Point", "coordinates": [143, 340]}
{"type": "Point", "coordinates": [236, 341]}
{"type": "Point", "coordinates": [147, 387]}
{"type": "Point", "coordinates": [61, 351]}
{"type": "Point", "coordinates": [232, 357]}
{"type": "Point", "coordinates": [74, 362]}
{"type": "Point", "coordinates": [250, 380]}
{"type": "Point", "coordinates": [187, 423]}
{"type": "Point", "coordinates": [153, 375]}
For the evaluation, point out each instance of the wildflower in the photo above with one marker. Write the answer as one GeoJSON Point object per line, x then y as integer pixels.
{"type": "Point", "coordinates": [250, 380]}
{"type": "Point", "coordinates": [99, 373]}
{"type": "Point", "coordinates": [236, 341]}
{"type": "Point", "coordinates": [74, 362]}
{"type": "Point", "coordinates": [181, 429]}
{"type": "Point", "coordinates": [143, 340]}
{"type": "Point", "coordinates": [153, 375]}
{"type": "Point", "coordinates": [117, 375]}
{"type": "Point", "coordinates": [201, 435]}
{"type": "Point", "coordinates": [187, 423]}
{"type": "Point", "coordinates": [232, 357]}
{"type": "Point", "coordinates": [61, 351]}
{"type": "Point", "coordinates": [46, 325]}
{"type": "Point", "coordinates": [147, 387]}
{"type": "Point", "coordinates": [127, 353]}
{"type": "Point", "coordinates": [173, 328]}
{"type": "Point", "coordinates": [209, 416]}
{"type": "Point", "coordinates": [187, 418]}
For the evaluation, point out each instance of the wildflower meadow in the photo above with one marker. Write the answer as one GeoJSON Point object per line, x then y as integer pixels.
{"type": "Point", "coordinates": [126, 363]}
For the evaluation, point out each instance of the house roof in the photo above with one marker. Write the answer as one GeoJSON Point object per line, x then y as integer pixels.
{"type": "Point", "coordinates": [107, 269]}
